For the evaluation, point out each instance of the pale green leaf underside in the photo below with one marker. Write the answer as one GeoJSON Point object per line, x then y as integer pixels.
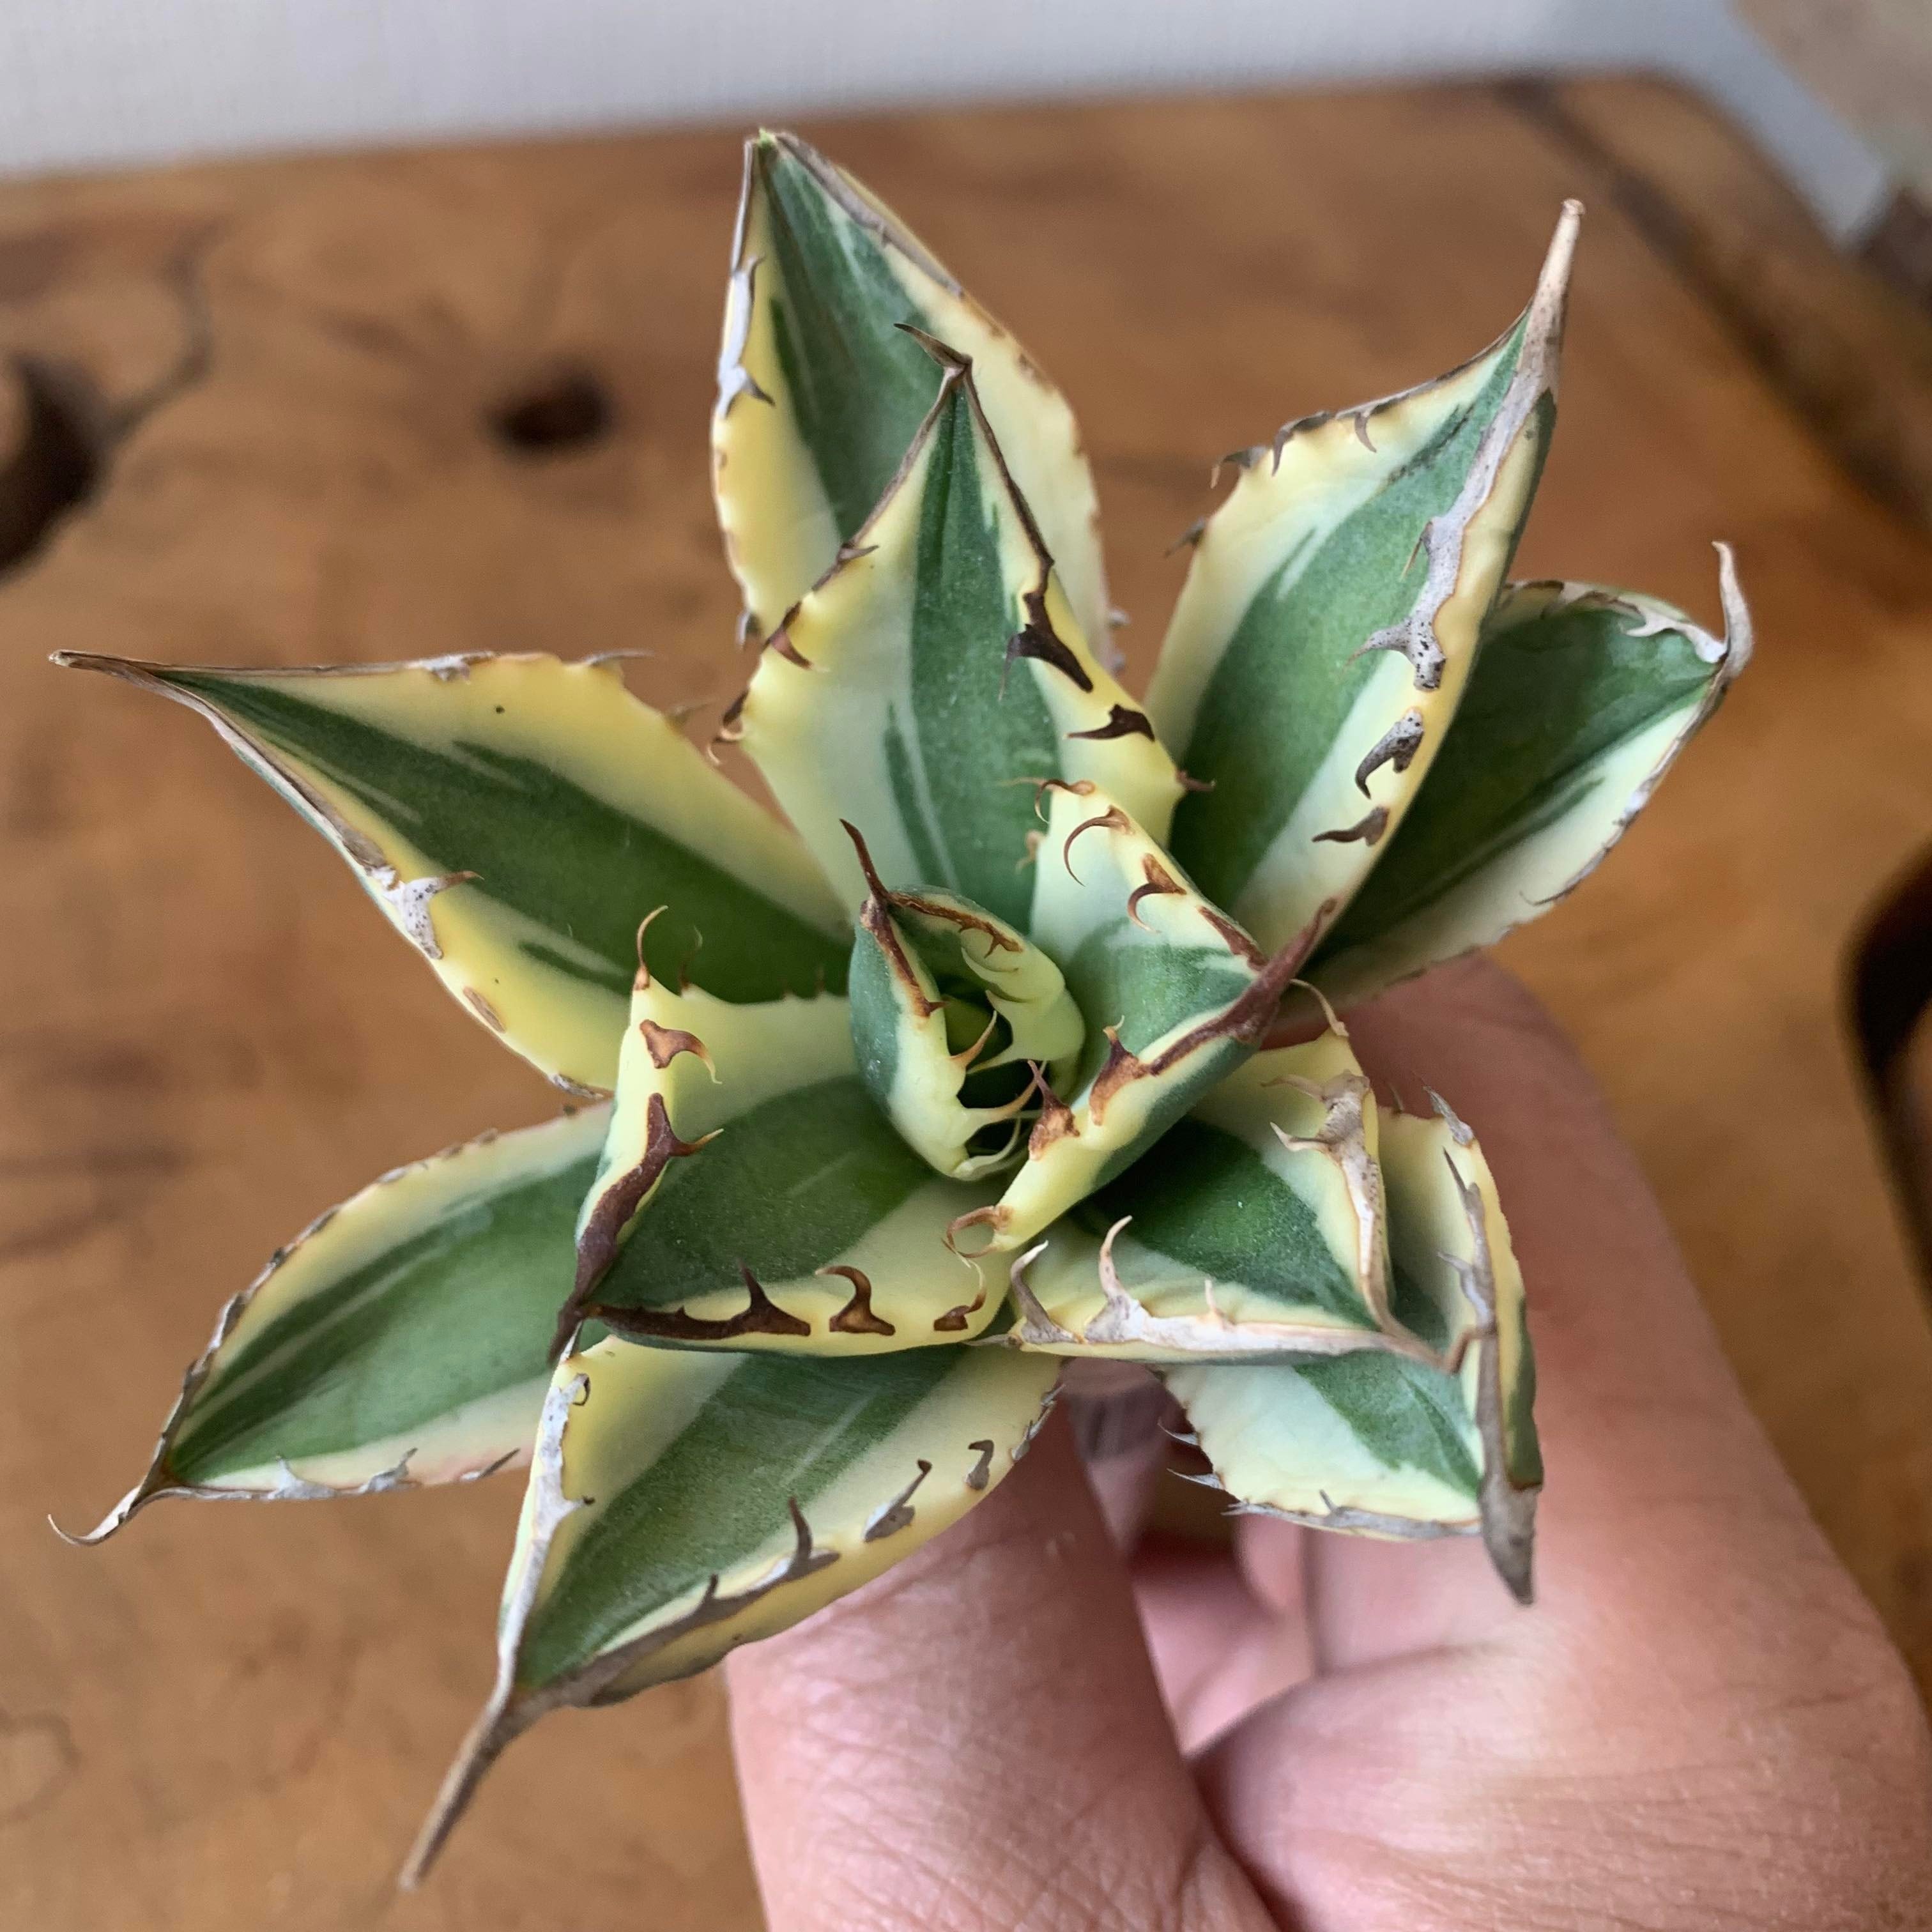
{"type": "Point", "coordinates": [577, 809]}
{"type": "Point", "coordinates": [751, 1197]}
{"type": "Point", "coordinates": [1367, 1442]}
{"type": "Point", "coordinates": [1581, 699]}
{"type": "Point", "coordinates": [683, 1503]}
{"type": "Point", "coordinates": [934, 677]}
{"type": "Point", "coordinates": [820, 393]}
{"type": "Point", "coordinates": [1329, 619]}
{"type": "Point", "coordinates": [402, 1339]}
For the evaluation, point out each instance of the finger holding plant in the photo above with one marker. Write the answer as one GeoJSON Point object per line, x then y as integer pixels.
{"type": "Point", "coordinates": [880, 1120]}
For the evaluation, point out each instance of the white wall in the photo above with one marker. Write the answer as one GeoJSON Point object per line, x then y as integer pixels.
{"type": "Point", "coordinates": [85, 83]}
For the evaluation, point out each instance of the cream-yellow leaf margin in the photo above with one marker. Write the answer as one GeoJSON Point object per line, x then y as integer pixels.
{"type": "Point", "coordinates": [751, 1197]}
{"type": "Point", "coordinates": [514, 817]}
{"type": "Point", "coordinates": [868, 1461]}
{"type": "Point", "coordinates": [1331, 814]}
{"type": "Point", "coordinates": [779, 530]}
{"type": "Point", "coordinates": [832, 717]}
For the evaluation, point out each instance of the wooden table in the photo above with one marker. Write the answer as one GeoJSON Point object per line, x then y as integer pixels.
{"type": "Point", "coordinates": [279, 392]}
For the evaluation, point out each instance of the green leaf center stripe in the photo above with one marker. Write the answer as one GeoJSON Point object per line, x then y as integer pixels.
{"type": "Point", "coordinates": [859, 387]}
{"type": "Point", "coordinates": [1418, 1311]}
{"type": "Point", "coordinates": [779, 1428]}
{"type": "Point", "coordinates": [875, 1013]}
{"type": "Point", "coordinates": [1262, 735]}
{"type": "Point", "coordinates": [498, 1268]}
{"type": "Point", "coordinates": [912, 803]}
{"type": "Point", "coordinates": [977, 726]}
{"type": "Point", "coordinates": [797, 1179]}
{"type": "Point", "coordinates": [549, 849]}
{"type": "Point", "coordinates": [1546, 706]}
{"type": "Point", "coordinates": [1144, 991]}
{"type": "Point", "coordinates": [1406, 1414]}
{"type": "Point", "coordinates": [1206, 1200]}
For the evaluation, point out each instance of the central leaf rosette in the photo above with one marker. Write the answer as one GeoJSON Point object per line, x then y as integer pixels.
{"type": "Point", "coordinates": [1036, 990]}
{"type": "Point", "coordinates": [1058, 1056]}
{"type": "Point", "coordinates": [959, 1022]}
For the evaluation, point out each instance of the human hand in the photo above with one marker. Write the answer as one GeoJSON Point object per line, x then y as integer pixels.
{"type": "Point", "coordinates": [1700, 1724]}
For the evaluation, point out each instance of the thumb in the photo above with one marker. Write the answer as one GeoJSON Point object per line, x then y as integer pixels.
{"type": "Point", "coordinates": [976, 1740]}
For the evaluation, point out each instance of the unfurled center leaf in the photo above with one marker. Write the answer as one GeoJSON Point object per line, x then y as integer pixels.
{"type": "Point", "coordinates": [927, 684]}
{"type": "Point", "coordinates": [957, 1022]}
{"type": "Point", "coordinates": [1174, 995]}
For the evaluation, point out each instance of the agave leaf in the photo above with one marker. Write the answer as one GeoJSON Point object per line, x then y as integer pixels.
{"type": "Point", "coordinates": [820, 391]}
{"type": "Point", "coordinates": [934, 676]}
{"type": "Point", "coordinates": [751, 1196]}
{"type": "Point", "coordinates": [401, 1339]}
{"type": "Point", "coordinates": [515, 817]}
{"type": "Point", "coordinates": [1380, 1443]}
{"type": "Point", "coordinates": [1376, 1443]}
{"type": "Point", "coordinates": [1580, 701]}
{"type": "Point", "coordinates": [682, 1504]}
{"type": "Point", "coordinates": [1255, 1227]}
{"type": "Point", "coordinates": [1449, 1246]}
{"type": "Point", "coordinates": [954, 1017]}
{"type": "Point", "coordinates": [1329, 619]}
{"type": "Point", "coordinates": [1175, 996]}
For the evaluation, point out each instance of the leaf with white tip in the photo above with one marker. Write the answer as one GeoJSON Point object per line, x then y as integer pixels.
{"type": "Point", "coordinates": [1255, 1227]}
{"type": "Point", "coordinates": [1580, 701]}
{"type": "Point", "coordinates": [1380, 1444]}
{"type": "Point", "coordinates": [401, 1339]}
{"type": "Point", "coordinates": [933, 677]}
{"type": "Point", "coordinates": [516, 817]}
{"type": "Point", "coordinates": [820, 391]}
{"type": "Point", "coordinates": [1329, 621]}
{"type": "Point", "coordinates": [956, 1017]}
{"type": "Point", "coordinates": [751, 1197]}
{"type": "Point", "coordinates": [681, 1505]}
{"type": "Point", "coordinates": [1174, 994]}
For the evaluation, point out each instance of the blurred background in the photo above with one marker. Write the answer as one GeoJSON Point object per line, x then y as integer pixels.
{"type": "Point", "coordinates": [336, 329]}
{"type": "Point", "coordinates": [1839, 90]}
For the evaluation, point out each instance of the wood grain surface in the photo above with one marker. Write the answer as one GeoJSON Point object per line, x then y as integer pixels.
{"type": "Point", "coordinates": [274, 397]}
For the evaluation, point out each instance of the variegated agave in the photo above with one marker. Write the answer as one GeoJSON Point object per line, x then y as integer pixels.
{"type": "Point", "coordinates": [973, 1074]}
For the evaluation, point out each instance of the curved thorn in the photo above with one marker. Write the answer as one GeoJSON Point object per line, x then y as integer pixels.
{"type": "Point", "coordinates": [1037, 1324]}
{"type": "Point", "coordinates": [1739, 637]}
{"type": "Point", "coordinates": [996, 1217]}
{"type": "Point", "coordinates": [873, 884]}
{"type": "Point", "coordinates": [1328, 1012]}
{"type": "Point", "coordinates": [1113, 819]}
{"type": "Point", "coordinates": [965, 1057]}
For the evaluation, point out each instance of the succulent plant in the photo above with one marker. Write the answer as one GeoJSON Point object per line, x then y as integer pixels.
{"type": "Point", "coordinates": [1021, 1050]}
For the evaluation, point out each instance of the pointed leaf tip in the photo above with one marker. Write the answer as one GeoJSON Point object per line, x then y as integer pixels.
{"type": "Point", "coordinates": [1329, 623]}
{"type": "Point", "coordinates": [941, 660]}
{"type": "Point", "coordinates": [952, 360]}
{"type": "Point", "coordinates": [315, 1384]}
{"type": "Point", "coordinates": [1581, 699]}
{"type": "Point", "coordinates": [823, 277]}
{"type": "Point", "coordinates": [514, 816]}
{"type": "Point", "coordinates": [1740, 638]}
{"type": "Point", "coordinates": [681, 1503]}
{"type": "Point", "coordinates": [1435, 1440]}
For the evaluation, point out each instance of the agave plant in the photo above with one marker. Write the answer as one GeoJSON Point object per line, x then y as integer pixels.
{"type": "Point", "coordinates": [1003, 1059]}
